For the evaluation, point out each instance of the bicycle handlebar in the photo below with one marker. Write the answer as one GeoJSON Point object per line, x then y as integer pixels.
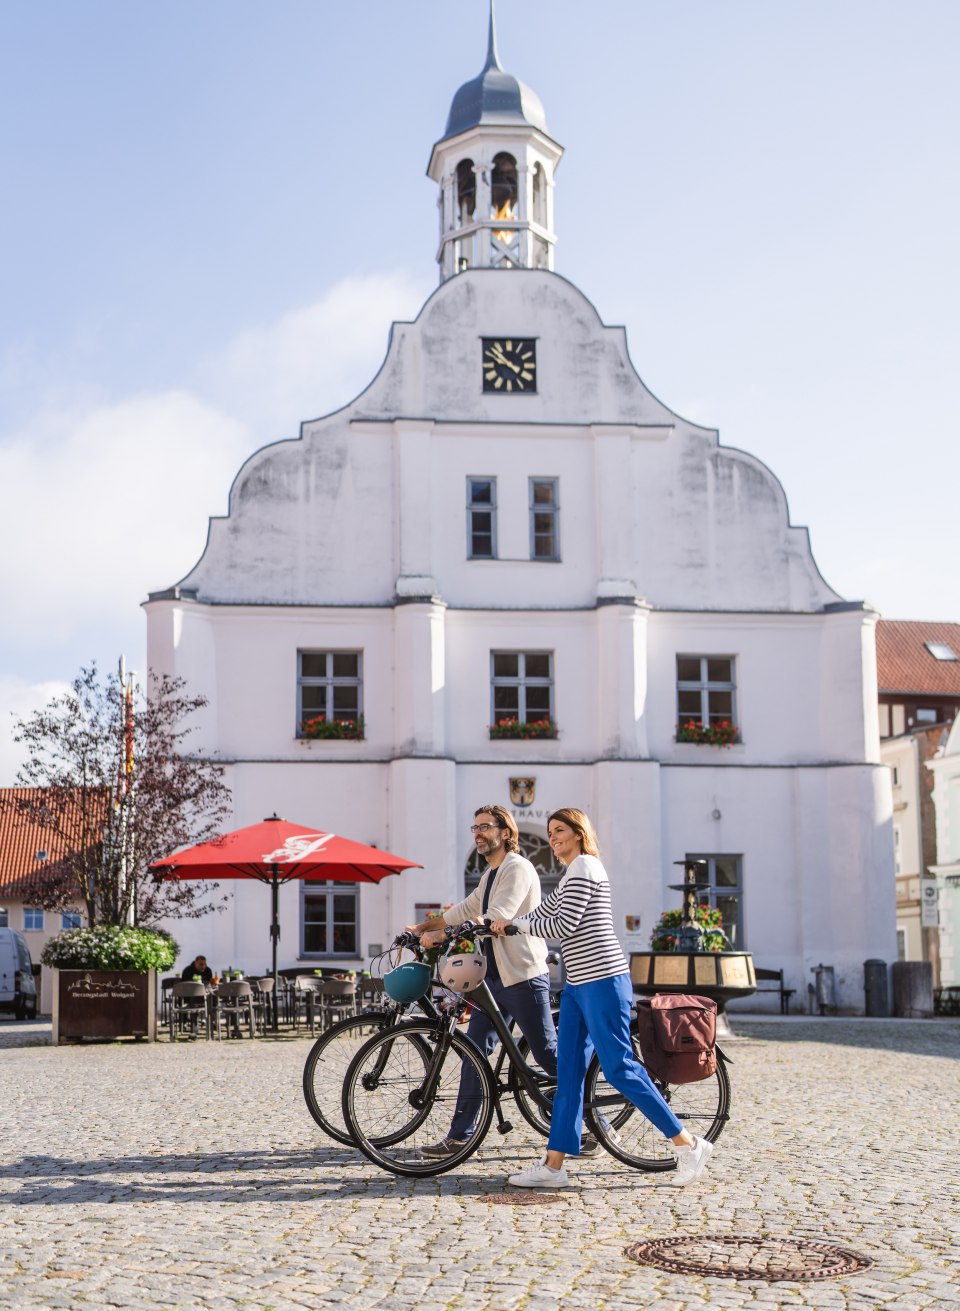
{"type": "Point", "coordinates": [467, 930]}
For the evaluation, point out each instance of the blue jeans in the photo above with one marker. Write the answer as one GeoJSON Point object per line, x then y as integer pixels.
{"type": "Point", "coordinates": [596, 1017]}
{"type": "Point", "coordinates": [529, 1004]}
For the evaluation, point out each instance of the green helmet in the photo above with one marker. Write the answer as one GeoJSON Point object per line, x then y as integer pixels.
{"type": "Point", "coordinates": [408, 982]}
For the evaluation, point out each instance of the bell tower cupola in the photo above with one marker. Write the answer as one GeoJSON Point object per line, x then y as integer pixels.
{"type": "Point", "coordinates": [495, 165]}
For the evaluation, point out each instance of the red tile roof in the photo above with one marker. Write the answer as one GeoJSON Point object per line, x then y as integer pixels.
{"type": "Point", "coordinates": [21, 838]}
{"type": "Point", "coordinates": [905, 665]}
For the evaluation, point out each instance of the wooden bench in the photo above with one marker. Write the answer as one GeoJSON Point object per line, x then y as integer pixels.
{"type": "Point", "coordinates": [775, 977]}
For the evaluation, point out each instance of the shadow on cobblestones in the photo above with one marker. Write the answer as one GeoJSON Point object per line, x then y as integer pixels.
{"type": "Point", "coordinates": [916, 1037]}
{"type": "Point", "coordinates": [326, 1174]}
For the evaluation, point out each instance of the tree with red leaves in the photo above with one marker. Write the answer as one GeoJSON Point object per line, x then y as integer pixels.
{"type": "Point", "coordinates": [114, 783]}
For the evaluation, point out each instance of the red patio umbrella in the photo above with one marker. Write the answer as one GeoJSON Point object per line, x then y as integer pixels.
{"type": "Point", "coordinates": [275, 852]}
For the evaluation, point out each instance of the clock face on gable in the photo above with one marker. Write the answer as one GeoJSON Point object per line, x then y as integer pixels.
{"type": "Point", "coordinates": [509, 364]}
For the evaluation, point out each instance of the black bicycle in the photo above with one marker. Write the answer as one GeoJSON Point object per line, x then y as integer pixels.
{"type": "Point", "coordinates": [327, 1061]}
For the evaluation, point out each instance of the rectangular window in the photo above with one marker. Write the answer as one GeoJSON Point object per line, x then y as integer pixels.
{"type": "Point", "coordinates": [329, 691]}
{"type": "Point", "coordinates": [901, 943]}
{"type": "Point", "coordinates": [897, 854]}
{"type": "Point", "coordinates": [725, 894]}
{"type": "Point", "coordinates": [481, 518]}
{"type": "Point", "coordinates": [4, 919]}
{"type": "Point", "coordinates": [329, 919]}
{"type": "Point", "coordinates": [927, 715]}
{"type": "Point", "coordinates": [521, 686]}
{"type": "Point", "coordinates": [705, 690]}
{"type": "Point", "coordinates": [544, 519]}
{"type": "Point", "coordinates": [70, 919]}
{"type": "Point", "coordinates": [32, 919]}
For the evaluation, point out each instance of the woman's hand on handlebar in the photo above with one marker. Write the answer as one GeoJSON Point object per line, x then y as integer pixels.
{"type": "Point", "coordinates": [433, 937]}
{"type": "Point", "coordinates": [502, 927]}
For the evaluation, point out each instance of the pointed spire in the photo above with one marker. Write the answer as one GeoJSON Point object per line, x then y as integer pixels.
{"type": "Point", "coordinates": [493, 57]}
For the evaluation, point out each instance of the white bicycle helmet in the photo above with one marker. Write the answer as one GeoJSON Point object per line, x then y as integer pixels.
{"type": "Point", "coordinates": [463, 973]}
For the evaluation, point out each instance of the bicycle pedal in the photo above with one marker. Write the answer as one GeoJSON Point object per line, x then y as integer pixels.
{"type": "Point", "coordinates": [504, 1127]}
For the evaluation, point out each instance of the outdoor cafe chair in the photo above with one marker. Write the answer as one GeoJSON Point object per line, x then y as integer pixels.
{"type": "Point", "coordinates": [370, 992]}
{"type": "Point", "coordinates": [306, 988]}
{"type": "Point", "coordinates": [263, 1001]}
{"type": "Point", "coordinates": [235, 1003]}
{"type": "Point", "coordinates": [166, 992]}
{"type": "Point", "coordinates": [188, 1007]}
{"type": "Point", "coordinates": [337, 997]}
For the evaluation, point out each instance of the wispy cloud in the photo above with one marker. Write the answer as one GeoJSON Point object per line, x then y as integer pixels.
{"type": "Point", "coordinates": [103, 500]}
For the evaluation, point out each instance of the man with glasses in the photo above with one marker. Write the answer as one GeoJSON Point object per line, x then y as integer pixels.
{"type": "Point", "coordinates": [516, 966]}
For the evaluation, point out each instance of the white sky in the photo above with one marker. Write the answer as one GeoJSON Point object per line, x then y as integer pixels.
{"type": "Point", "coordinates": [213, 211]}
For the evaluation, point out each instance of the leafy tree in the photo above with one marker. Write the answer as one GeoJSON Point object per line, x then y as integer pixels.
{"type": "Point", "coordinates": [111, 780]}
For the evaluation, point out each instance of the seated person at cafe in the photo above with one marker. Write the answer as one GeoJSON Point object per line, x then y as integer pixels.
{"type": "Point", "coordinates": [199, 969]}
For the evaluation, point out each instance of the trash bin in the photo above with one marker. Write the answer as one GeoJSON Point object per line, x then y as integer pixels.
{"type": "Point", "coordinates": [876, 1001]}
{"type": "Point", "coordinates": [913, 989]}
{"type": "Point", "coordinates": [825, 988]}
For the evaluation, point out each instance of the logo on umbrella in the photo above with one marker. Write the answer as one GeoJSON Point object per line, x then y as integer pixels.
{"type": "Point", "coordinates": [297, 848]}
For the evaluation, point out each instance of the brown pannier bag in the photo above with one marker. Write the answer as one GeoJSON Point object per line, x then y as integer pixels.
{"type": "Point", "coordinates": [678, 1035]}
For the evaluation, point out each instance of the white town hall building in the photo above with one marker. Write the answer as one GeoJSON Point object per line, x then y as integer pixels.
{"type": "Point", "coordinates": [508, 526]}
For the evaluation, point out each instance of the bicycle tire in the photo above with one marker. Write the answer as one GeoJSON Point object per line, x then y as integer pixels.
{"type": "Point", "coordinates": [326, 1065]}
{"type": "Point", "coordinates": [380, 1083]}
{"type": "Point", "coordinates": [701, 1107]}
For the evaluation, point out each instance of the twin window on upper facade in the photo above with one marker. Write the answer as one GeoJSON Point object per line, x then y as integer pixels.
{"type": "Point", "coordinates": [543, 514]}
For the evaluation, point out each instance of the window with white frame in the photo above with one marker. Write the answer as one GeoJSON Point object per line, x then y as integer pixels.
{"type": "Point", "coordinates": [897, 851]}
{"type": "Point", "coordinates": [329, 689]}
{"type": "Point", "coordinates": [329, 919]}
{"type": "Point", "coordinates": [521, 686]}
{"type": "Point", "coordinates": [4, 918]}
{"type": "Point", "coordinates": [725, 893]}
{"type": "Point", "coordinates": [706, 690]}
{"type": "Point", "coordinates": [70, 919]}
{"type": "Point", "coordinates": [33, 919]}
{"type": "Point", "coordinates": [901, 943]}
{"type": "Point", "coordinates": [482, 518]}
{"type": "Point", "coordinates": [544, 519]}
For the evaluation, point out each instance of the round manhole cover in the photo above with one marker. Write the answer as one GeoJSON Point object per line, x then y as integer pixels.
{"type": "Point", "coordinates": [748, 1258]}
{"type": "Point", "coordinates": [520, 1199]}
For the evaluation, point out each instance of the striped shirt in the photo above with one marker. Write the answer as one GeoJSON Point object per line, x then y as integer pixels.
{"type": "Point", "coordinates": [578, 913]}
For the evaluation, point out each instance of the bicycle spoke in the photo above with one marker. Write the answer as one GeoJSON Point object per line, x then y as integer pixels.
{"type": "Point", "coordinates": [400, 1095]}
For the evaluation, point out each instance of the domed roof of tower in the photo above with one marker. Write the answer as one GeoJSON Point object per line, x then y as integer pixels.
{"type": "Point", "coordinates": [494, 97]}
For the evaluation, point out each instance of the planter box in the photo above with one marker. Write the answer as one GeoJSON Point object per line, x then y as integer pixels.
{"type": "Point", "coordinates": [104, 1004]}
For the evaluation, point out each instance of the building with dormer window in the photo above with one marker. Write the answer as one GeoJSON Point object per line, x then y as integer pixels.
{"type": "Point", "coordinates": [507, 571]}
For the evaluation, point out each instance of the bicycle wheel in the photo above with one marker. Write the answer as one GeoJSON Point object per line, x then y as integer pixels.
{"type": "Point", "coordinates": [702, 1108]}
{"type": "Point", "coordinates": [531, 1112]}
{"type": "Point", "coordinates": [326, 1065]}
{"type": "Point", "coordinates": [399, 1096]}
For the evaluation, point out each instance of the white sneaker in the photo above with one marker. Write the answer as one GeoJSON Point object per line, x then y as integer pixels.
{"type": "Point", "coordinates": [691, 1162]}
{"type": "Point", "coordinates": [540, 1176]}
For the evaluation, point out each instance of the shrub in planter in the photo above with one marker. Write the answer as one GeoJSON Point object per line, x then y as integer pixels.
{"type": "Point", "coordinates": [108, 947]}
{"type": "Point", "coordinates": [664, 935]}
{"type": "Point", "coordinates": [530, 728]}
{"type": "Point", "coordinates": [320, 727]}
{"type": "Point", "coordinates": [721, 734]}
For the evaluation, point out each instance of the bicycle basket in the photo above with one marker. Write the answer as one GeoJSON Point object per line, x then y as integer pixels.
{"type": "Point", "coordinates": [408, 982]}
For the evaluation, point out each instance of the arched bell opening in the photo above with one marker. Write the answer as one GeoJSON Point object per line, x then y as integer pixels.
{"type": "Point", "coordinates": [466, 192]}
{"type": "Point", "coordinates": [539, 195]}
{"type": "Point", "coordinates": [503, 187]}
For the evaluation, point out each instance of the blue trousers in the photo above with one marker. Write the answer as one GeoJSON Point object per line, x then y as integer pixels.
{"type": "Point", "coordinates": [529, 1004]}
{"type": "Point", "coordinates": [596, 1017]}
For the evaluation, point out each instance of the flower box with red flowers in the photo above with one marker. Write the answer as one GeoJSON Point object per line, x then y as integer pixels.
{"type": "Point", "coordinates": [321, 728]}
{"type": "Point", "coordinates": [529, 728]}
{"type": "Point", "coordinates": [715, 734]}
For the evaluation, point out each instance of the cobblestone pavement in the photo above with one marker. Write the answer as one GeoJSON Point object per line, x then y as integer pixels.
{"type": "Point", "coordinates": [190, 1176]}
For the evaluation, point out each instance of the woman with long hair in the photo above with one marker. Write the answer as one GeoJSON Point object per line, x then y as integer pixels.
{"type": "Point", "coordinates": [594, 1008]}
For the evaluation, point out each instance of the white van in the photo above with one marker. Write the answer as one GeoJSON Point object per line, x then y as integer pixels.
{"type": "Point", "coordinates": [18, 987]}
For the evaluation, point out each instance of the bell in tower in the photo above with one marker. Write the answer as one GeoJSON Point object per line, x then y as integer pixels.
{"type": "Point", "coordinates": [494, 166]}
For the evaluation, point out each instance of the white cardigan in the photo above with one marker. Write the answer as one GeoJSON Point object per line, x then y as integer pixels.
{"type": "Point", "coordinates": [515, 891]}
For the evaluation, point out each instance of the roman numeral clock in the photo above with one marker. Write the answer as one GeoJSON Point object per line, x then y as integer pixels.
{"type": "Point", "coordinates": [509, 364]}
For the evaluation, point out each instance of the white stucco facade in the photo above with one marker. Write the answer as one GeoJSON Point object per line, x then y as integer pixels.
{"type": "Point", "coordinates": [354, 538]}
{"type": "Point", "coordinates": [946, 798]}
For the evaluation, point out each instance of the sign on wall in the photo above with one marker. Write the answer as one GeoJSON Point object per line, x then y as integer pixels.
{"type": "Point", "coordinates": [929, 916]}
